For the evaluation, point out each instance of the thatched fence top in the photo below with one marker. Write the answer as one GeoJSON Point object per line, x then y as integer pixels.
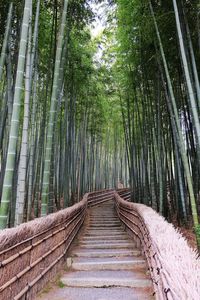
{"type": "Point", "coordinates": [33, 252]}
{"type": "Point", "coordinates": [174, 266]}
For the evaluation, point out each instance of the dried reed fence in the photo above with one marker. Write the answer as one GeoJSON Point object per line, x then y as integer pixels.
{"type": "Point", "coordinates": [32, 253]}
{"type": "Point", "coordinates": [174, 266]}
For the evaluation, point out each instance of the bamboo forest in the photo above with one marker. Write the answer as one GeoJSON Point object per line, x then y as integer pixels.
{"type": "Point", "coordinates": [82, 111]}
{"type": "Point", "coordinates": [97, 95]}
{"type": "Point", "coordinates": [99, 149]}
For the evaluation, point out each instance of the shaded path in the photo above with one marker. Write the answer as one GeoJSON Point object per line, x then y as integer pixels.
{"type": "Point", "coordinates": [104, 263]}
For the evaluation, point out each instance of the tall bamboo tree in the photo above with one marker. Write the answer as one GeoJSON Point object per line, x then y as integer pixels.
{"type": "Point", "coordinates": [13, 137]}
{"type": "Point", "coordinates": [53, 108]}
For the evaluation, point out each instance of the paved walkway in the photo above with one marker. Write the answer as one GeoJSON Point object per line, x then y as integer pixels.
{"type": "Point", "coordinates": [104, 263]}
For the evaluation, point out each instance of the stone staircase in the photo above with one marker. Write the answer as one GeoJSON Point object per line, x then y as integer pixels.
{"type": "Point", "coordinates": [104, 263]}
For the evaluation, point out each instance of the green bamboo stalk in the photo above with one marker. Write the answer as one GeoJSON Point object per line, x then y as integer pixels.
{"type": "Point", "coordinates": [53, 108]}
{"type": "Point", "coordinates": [32, 164]}
{"type": "Point", "coordinates": [6, 39]}
{"type": "Point", "coordinates": [179, 132]}
{"type": "Point", "coordinates": [21, 182]}
{"type": "Point", "coordinates": [193, 104]}
{"type": "Point", "coordinates": [15, 120]}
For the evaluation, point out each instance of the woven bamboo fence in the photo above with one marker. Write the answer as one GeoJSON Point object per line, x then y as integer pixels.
{"type": "Point", "coordinates": [32, 253]}
{"type": "Point", "coordinates": [173, 265]}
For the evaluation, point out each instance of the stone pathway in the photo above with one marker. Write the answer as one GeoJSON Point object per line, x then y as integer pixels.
{"type": "Point", "coordinates": [103, 263]}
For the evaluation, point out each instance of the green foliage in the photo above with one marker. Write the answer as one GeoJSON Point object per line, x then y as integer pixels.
{"type": "Point", "coordinates": [60, 284]}
{"type": "Point", "coordinates": [144, 99]}
{"type": "Point", "coordinates": [112, 89]}
{"type": "Point", "coordinates": [197, 230]}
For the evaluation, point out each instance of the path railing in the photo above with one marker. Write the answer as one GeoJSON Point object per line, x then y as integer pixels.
{"type": "Point", "coordinates": [32, 253]}
{"type": "Point", "coordinates": [174, 267]}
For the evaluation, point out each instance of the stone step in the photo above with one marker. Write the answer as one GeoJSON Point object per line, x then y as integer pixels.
{"type": "Point", "coordinates": [92, 264]}
{"type": "Point", "coordinates": [103, 262]}
{"type": "Point", "coordinates": [104, 220]}
{"type": "Point", "coordinates": [107, 210]}
{"type": "Point", "coordinates": [106, 207]}
{"type": "Point", "coordinates": [108, 196]}
{"type": "Point", "coordinates": [115, 221]}
{"type": "Point", "coordinates": [78, 252]}
{"type": "Point", "coordinates": [101, 213]}
{"type": "Point", "coordinates": [98, 202]}
{"type": "Point", "coordinates": [116, 293]}
{"type": "Point", "coordinates": [104, 233]}
{"type": "Point", "coordinates": [105, 229]}
{"type": "Point", "coordinates": [109, 213]}
{"type": "Point", "coordinates": [105, 242]}
{"type": "Point", "coordinates": [109, 237]}
{"type": "Point", "coordinates": [106, 279]}
{"type": "Point", "coordinates": [107, 203]}
{"type": "Point", "coordinates": [108, 245]}
{"type": "Point", "coordinates": [104, 225]}
{"type": "Point", "coordinates": [101, 217]}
